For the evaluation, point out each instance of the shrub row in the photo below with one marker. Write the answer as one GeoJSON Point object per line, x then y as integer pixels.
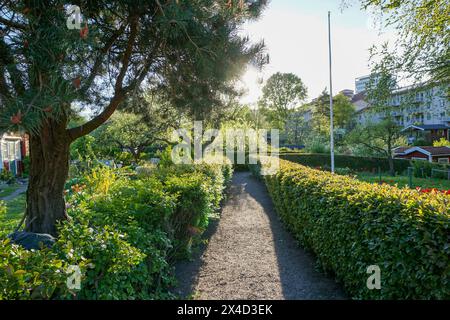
{"type": "Point", "coordinates": [351, 225]}
{"type": "Point", "coordinates": [367, 164]}
{"type": "Point", "coordinates": [424, 169]}
{"type": "Point", "coordinates": [124, 234]}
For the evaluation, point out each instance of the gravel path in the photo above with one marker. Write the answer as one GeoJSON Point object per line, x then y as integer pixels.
{"type": "Point", "coordinates": [251, 256]}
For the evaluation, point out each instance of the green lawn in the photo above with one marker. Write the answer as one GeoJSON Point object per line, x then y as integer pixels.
{"type": "Point", "coordinates": [15, 211]}
{"type": "Point", "coordinates": [403, 181]}
{"type": "Point", "coordinates": [6, 190]}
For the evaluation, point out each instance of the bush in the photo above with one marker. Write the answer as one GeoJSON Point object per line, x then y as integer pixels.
{"type": "Point", "coordinates": [106, 261]}
{"type": "Point", "coordinates": [441, 143]}
{"type": "Point", "coordinates": [29, 274]}
{"type": "Point", "coordinates": [123, 234]}
{"type": "Point", "coordinates": [343, 171]}
{"type": "Point", "coordinates": [7, 176]}
{"type": "Point", "coordinates": [366, 164]}
{"type": "Point", "coordinates": [422, 142]}
{"type": "Point", "coordinates": [351, 225]}
{"type": "Point", "coordinates": [2, 208]}
{"type": "Point", "coordinates": [112, 266]}
{"type": "Point", "coordinates": [424, 169]}
{"type": "Point", "coordinates": [145, 170]}
{"type": "Point", "coordinates": [318, 146]}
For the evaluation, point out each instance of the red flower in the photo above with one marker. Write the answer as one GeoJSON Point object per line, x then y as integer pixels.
{"type": "Point", "coordinates": [429, 190]}
{"type": "Point", "coordinates": [76, 82]}
{"type": "Point", "coordinates": [17, 118]}
{"type": "Point", "coordinates": [84, 32]}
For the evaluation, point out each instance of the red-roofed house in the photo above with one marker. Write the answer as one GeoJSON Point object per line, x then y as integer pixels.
{"type": "Point", "coordinates": [431, 154]}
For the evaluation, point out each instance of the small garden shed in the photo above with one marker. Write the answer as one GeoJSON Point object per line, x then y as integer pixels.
{"type": "Point", "coordinates": [427, 153]}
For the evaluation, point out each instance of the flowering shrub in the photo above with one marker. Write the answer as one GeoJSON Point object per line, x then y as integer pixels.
{"type": "Point", "coordinates": [350, 225]}
{"type": "Point", "coordinates": [359, 164]}
{"type": "Point", "coordinates": [123, 234]}
{"type": "Point", "coordinates": [428, 190]}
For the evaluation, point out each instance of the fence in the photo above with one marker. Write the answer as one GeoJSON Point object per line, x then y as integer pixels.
{"type": "Point", "coordinates": [440, 174]}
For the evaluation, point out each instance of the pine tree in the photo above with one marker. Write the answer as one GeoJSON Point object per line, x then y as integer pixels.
{"type": "Point", "coordinates": [49, 73]}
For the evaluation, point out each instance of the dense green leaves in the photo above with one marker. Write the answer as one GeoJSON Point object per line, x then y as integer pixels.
{"type": "Point", "coordinates": [125, 232]}
{"type": "Point", "coordinates": [367, 164]}
{"type": "Point", "coordinates": [351, 225]}
{"type": "Point", "coordinates": [422, 48]}
{"type": "Point", "coordinates": [183, 49]}
{"type": "Point", "coordinates": [281, 94]}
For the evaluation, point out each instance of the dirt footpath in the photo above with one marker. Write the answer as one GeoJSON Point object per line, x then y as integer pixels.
{"type": "Point", "coordinates": [251, 256]}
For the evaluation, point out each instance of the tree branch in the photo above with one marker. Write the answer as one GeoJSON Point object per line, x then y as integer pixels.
{"type": "Point", "coordinates": [13, 24]}
{"type": "Point", "coordinates": [102, 52]}
{"type": "Point", "coordinates": [373, 147]}
{"type": "Point", "coordinates": [75, 133]}
{"type": "Point", "coordinates": [7, 60]}
{"type": "Point", "coordinates": [127, 55]}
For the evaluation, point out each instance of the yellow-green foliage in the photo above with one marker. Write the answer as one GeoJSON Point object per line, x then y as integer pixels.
{"type": "Point", "coordinates": [441, 143]}
{"type": "Point", "coordinates": [101, 179]}
{"type": "Point", "coordinates": [2, 207]}
{"type": "Point", "coordinates": [124, 234]}
{"type": "Point", "coordinates": [351, 225]}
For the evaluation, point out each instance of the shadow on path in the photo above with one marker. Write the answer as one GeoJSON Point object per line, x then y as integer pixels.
{"type": "Point", "coordinates": [251, 256]}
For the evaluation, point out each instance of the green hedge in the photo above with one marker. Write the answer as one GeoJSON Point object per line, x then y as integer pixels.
{"type": "Point", "coordinates": [351, 225]}
{"type": "Point", "coordinates": [124, 234]}
{"type": "Point", "coordinates": [424, 169]}
{"type": "Point", "coordinates": [366, 164]}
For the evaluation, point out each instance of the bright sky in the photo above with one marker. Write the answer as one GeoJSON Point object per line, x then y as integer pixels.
{"type": "Point", "coordinates": [296, 35]}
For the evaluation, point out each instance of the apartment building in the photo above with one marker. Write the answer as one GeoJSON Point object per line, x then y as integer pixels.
{"type": "Point", "coordinates": [423, 111]}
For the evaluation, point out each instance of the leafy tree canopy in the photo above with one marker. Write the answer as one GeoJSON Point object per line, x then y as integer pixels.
{"type": "Point", "coordinates": [343, 110]}
{"type": "Point", "coordinates": [281, 94]}
{"type": "Point", "coordinates": [423, 45]}
{"type": "Point", "coordinates": [187, 49]}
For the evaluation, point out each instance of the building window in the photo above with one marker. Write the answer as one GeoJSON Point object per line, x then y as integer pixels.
{"type": "Point", "coordinates": [443, 160]}
{"type": "Point", "coordinates": [417, 158]}
{"type": "Point", "coordinates": [12, 150]}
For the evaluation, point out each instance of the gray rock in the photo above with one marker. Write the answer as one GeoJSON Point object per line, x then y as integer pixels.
{"type": "Point", "coordinates": [30, 240]}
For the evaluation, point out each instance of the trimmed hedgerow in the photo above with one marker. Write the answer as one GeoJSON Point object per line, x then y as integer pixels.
{"type": "Point", "coordinates": [367, 164]}
{"type": "Point", "coordinates": [351, 225]}
{"type": "Point", "coordinates": [124, 234]}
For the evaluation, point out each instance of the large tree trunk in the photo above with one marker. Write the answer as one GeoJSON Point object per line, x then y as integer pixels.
{"type": "Point", "coordinates": [49, 167]}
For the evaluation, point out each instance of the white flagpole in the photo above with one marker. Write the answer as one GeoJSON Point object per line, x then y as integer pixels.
{"type": "Point", "coordinates": [331, 98]}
